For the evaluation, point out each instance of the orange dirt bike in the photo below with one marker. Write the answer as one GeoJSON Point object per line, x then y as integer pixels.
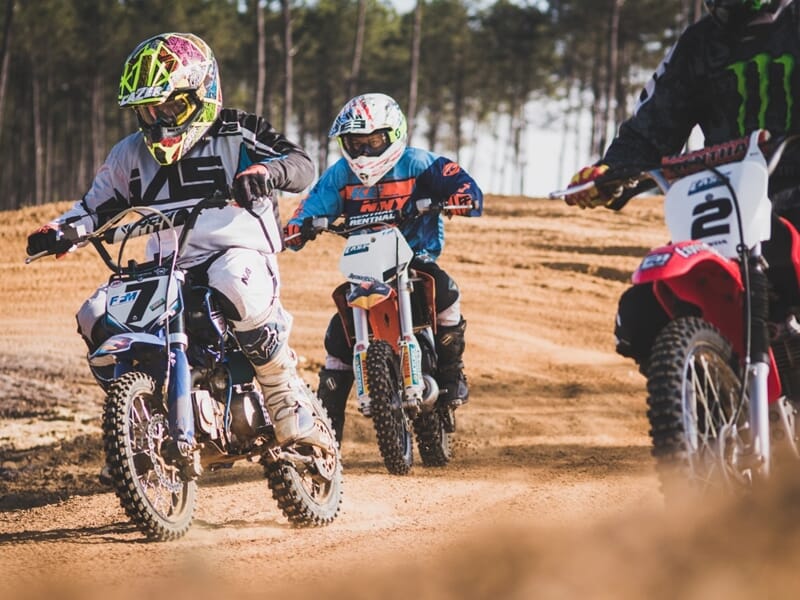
{"type": "Point", "coordinates": [723, 380]}
{"type": "Point", "coordinates": [388, 310]}
{"type": "Point", "coordinates": [177, 367]}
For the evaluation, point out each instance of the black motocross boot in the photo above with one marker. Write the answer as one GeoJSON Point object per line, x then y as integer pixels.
{"type": "Point", "coordinates": [334, 387]}
{"type": "Point", "coordinates": [450, 350]}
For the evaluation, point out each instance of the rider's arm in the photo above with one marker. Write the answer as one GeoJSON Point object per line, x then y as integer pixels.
{"type": "Point", "coordinates": [446, 182]}
{"type": "Point", "coordinates": [289, 166]}
{"type": "Point", "coordinates": [669, 106]}
{"type": "Point", "coordinates": [326, 198]}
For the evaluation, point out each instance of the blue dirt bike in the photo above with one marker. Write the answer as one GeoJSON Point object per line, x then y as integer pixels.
{"type": "Point", "coordinates": [172, 365]}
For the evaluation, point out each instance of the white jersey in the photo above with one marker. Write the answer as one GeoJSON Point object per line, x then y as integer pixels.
{"type": "Point", "coordinates": [130, 176]}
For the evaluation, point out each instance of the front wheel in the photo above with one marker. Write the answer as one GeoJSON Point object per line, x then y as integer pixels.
{"type": "Point", "coordinates": [308, 486]}
{"type": "Point", "coordinates": [392, 426]}
{"type": "Point", "coordinates": [149, 489]}
{"type": "Point", "coordinates": [696, 410]}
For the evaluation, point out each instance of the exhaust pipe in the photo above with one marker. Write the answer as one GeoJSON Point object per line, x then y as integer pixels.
{"type": "Point", "coordinates": [430, 394]}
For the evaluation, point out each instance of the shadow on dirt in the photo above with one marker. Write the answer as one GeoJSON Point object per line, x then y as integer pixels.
{"type": "Point", "coordinates": [600, 461]}
{"type": "Point", "coordinates": [109, 533]}
{"type": "Point", "coordinates": [49, 474]}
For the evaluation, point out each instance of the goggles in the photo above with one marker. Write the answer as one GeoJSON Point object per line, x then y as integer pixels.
{"type": "Point", "coordinates": [174, 112]}
{"type": "Point", "coordinates": [370, 144]}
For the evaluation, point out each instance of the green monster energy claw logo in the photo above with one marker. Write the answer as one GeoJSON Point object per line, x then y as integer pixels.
{"type": "Point", "coordinates": [762, 63]}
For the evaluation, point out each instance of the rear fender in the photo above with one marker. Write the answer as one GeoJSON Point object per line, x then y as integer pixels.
{"type": "Point", "coordinates": [795, 247]}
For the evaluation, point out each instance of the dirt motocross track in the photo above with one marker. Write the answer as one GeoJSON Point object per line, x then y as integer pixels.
{"type": "Point", "coordinates": [551, 493]}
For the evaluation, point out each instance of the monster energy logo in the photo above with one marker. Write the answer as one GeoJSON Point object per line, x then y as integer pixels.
{"type": "Point", "coordinates": [762, 63]}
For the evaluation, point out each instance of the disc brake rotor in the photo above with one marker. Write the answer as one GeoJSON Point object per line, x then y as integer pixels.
{"type": "Point", "coordinates": [156, 435]}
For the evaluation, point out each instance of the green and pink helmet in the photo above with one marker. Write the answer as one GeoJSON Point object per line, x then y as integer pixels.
{"type": "Point", "coordinates": [172, 83]}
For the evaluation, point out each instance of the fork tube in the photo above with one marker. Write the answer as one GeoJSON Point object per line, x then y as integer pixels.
{"type": "Point", "coordinates": [361, 330]}
{"type": "Point", "coordinates": [179, 387]}
{"type": "Point", "coordinates": [404, 301]}
{"type": "Point", "coordinates": [410, 353]}
{"type": "Point", "coordinates": [759, 362]}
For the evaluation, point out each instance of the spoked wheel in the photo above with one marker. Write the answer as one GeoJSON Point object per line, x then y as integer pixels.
{"type": "Point", "coordinates": [150, 491]}
{"type": "Point", "coordinates": [433, 438]}
{"type": "Point", "coordinates": [308, 487]}
{"type": "Point", "coordinates": [391, 423]}
{"type": "Point", "coordinates": [697, 417]}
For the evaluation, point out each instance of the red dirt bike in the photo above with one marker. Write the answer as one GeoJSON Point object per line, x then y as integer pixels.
{"type": "Point", "coordinates": [723, 382]}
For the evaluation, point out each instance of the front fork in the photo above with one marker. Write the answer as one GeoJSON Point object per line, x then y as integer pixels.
{"type": "Point", "coordinates": [410, 353]}
{"type": "Point", "coordinates": [758, 367]}
{"type": "Point", "coordinates": [179, 385]}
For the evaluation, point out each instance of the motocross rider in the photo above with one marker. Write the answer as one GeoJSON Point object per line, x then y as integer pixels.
{"type": "Point", "coordinates": [187, 148]}
{"type": "Point", "coordinates": [734, 71]}
{"type": "Point", "coordinates": [379, 174]}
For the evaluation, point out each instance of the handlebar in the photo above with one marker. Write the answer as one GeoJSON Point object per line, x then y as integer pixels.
{"type": "Point", "coordinates": [617, 180]}
{"type": "Point", "coordinates": [152, 221]}
{"type": "Point", "coordinates": [315, 225]}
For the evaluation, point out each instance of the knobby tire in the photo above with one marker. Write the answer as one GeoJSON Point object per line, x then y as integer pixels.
{"type": "Point", "coordinates": [150, 491]}
{"type": "Point", "coordinates": [391, 425]}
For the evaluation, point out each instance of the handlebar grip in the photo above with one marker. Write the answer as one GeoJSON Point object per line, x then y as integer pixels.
{"type": "Point", "coordinates": [681, 165]}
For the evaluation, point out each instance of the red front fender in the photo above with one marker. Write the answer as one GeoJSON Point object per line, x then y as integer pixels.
{"type": "Point", "coordinates": [692, 272]}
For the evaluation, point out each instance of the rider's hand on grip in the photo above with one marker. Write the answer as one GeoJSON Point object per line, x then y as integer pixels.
{"type": "Point", "coordinates": [251, 184]}
{"type": "Point", "coordinates": [592, 197]}
{"type": "Point", "coordinates": [295, 236]}
{"type": "Point", "coordinates": [292, 237]}
{"type": "Point", "coordinates": [459, 205]}
{"type": "Point", "coordinates": [46, 239]}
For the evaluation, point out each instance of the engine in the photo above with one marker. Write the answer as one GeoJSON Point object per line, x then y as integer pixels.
{"type": "Point", "coordinates": [247, 416]}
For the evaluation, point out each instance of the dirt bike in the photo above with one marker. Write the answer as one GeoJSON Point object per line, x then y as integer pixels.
{"type": "Point", "coordinates": [389, 312]}
{"type": "Point", "coordinates": [722, 380]}
{"type": "Point", "coordinates": [178, 369]}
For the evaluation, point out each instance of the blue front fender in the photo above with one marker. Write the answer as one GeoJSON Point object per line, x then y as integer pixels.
{"type": "Point", "coordinates": [124, 343]}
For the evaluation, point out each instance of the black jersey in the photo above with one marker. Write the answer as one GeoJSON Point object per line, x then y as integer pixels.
{"type": "Point", "coordinates": [729, 86]}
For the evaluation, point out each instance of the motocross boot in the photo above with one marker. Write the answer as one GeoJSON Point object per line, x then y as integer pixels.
{"type": "Point", "coordinates": [286, 399]}
{"type": "Point", "coordinates": [334, 387]}
{"type": "Point", "coordinates": [450, 372]}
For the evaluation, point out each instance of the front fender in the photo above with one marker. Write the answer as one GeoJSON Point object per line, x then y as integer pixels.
{"type": "Point", "coordinates": [122, 344]}
{"type": "Point", "coordinates": [693, 272]}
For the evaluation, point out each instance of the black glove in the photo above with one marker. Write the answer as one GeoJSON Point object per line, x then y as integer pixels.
{"type": "Point", "coordinates": [45, 239]}
{"type": "Point", "coordinates": [251, 184]}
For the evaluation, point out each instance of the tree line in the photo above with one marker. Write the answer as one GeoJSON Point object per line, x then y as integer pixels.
{"type": "Point", "coordinates": [452, 65]}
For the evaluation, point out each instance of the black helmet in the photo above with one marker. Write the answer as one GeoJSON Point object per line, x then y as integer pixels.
{"type": "Point", "coordinates": [740, 14]}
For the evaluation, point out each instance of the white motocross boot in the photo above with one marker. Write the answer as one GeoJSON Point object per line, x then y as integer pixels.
{"type": "Point", "coordinates": [286, 399]}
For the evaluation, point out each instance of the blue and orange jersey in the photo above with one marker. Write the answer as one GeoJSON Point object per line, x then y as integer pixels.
{"type": "Point", "coordinates": [418, 174]}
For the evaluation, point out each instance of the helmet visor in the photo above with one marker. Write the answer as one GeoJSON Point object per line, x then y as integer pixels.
{"type": "Point", "coordinates": [174, 112]}
{"type": "Point", "coordinates": [370, 144]}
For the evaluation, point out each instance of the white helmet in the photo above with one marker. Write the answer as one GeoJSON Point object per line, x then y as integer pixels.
{"type": "Point", "coordinates": [372, 133]}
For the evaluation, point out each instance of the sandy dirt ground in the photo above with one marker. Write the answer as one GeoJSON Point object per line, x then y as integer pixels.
{"type": "Point", "coordinates": [551, 493]}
